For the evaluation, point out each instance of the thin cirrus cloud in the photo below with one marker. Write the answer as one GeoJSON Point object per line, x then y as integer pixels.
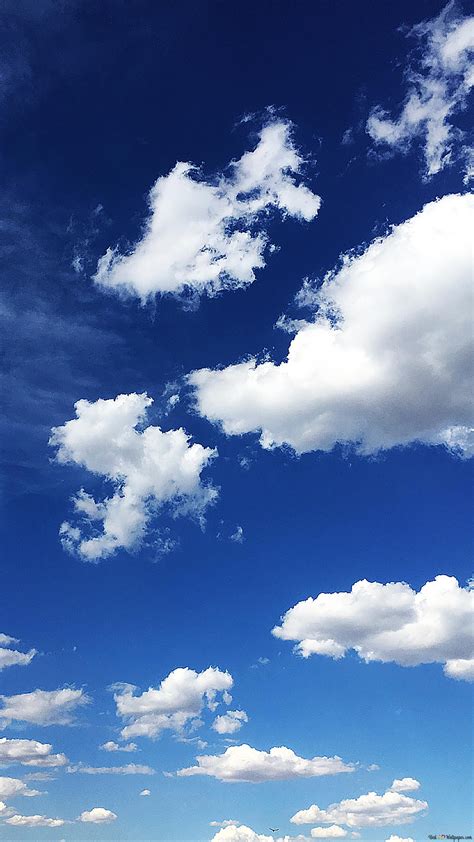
{"type": "Point", "coordinates": [175, 704]}
{"type": "Point", "coordinates": [370, 810]}
{"type": "Point", "coordinates": [9, 656]}
{"type": "Point", "coordinates": [249, 765]}
{"type": "Point", "coordinates": [386, 360]}
{"type": "Point", "coordinates": [206, 236]}
{"type": "Point", "coordinates": [42, 707]}
{"type": "Point", "coordinates": [388, 623]}
{"type": "Point", "coordinates": [439, 81]}
{"type": "Point", "coordinates": [128, 769]}
{"type": "Point", "coordinates": [29, 753]}
{"type": "Point", "coordinates": [147, 468]}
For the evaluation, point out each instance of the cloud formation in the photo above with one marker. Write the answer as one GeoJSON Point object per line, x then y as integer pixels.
{"type": "Point", "coordinates": [439, 82]}
{"type": "Point", "coordinates": [12, 787]}
{"type": "Point", "coordinates": [177, 702]}
{"type": "Point", "coordinates": [389, 623]}
{"type": "Point", "coordinates": [42, 707]}
{"type": "Point", "coordinates": [128, 769]}
{"type": "Point", "coordinates": [370, 810]}
{"type": "Point", "coordinates": [405, 785]}
{"type": "Point", "coordinates": [113, 746]}
{"type": "Point", "coordinates": [387, 359]}
{"type": "Point", "coordinates": [146, 467]}
{"type": "Point", "coordinates": [230, 722]}
{"type": "Point", "coordinates": [29, 753]}
{"type": "Point", "coordinates": [332, 832]}
{"type": "Point", "coordinates": [206, 236]}
{"type": "Point", "coordinates": [9, 656]}
{"type": "Point", "coordinates": [98, 815]}
{"type": "Point", "coordinates": [246, 764]}
{"type": "Point", "coordinates": [34, 821]}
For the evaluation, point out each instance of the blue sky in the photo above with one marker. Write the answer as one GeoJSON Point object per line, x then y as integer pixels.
{"type": "Point", "coordinates": [157, 541]}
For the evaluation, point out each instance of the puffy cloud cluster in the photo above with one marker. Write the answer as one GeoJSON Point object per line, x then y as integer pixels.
{"type": "Point", "coordinates": [146, 467]}
{"type": "Point", "coordinates": [98, 815]}
{"type": "Point", "coordinates": [29, 753]}
{"type": "Point", "coordinates": [405, 785]}
{"type": "Point", "coordinates": [249, 765]}
{"type": "Point", "coordinates": [230, 722]}
{"type": "Point", "coordinates": [439, 84]}
{"type": "Point", "coordinates": [389, 622]}
{"type": "Point", "coordinates": [12, 787]}
{"type": "Point", "coordinates": [9, 656]}
{"type": "Point", "coordinates": [332, 832]}
{"type": "Point", "coordinates": [395, 838]}
{"type": "Point", "coordinates": [177, 702]}
{"type": "Point", "coordinates": [34, 821]}
{"type": "Point", "coordinates": [206, 236]}
{"type": "Point", "coordinates": [113, 746]}
{"type": "Point", "coordinates": [387, 360]}
{"type": "Point", "coordinates": [236, 832]}
{"type": "Point", "coordinates": [370, 810]}
{"type": "Point", "coordinates": [42, 707]}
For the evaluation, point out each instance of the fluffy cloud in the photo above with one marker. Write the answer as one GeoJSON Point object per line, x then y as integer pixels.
{"type": "Point", "coordinates": [230, 722]}
{"type": "Point", "coordinates": [178, 701]}
{"type": "Point", "coordinates": [405, 785]}
{"type": "Point", "coordinates": [112, 746]}
{"type": "Point", "coordinates": [332, 832]}
{"type": "Point", "coordinates": [369, 810]}
{"type": "Point", "coordinates": [438, 88]}
{"type": "Point", "coordinates": [146, 467]}
{"type": "Point", "coordinates": [98, 815]}
{"type": "Point", "coordinates": [34, 821]}
{"type": "Point", "coordinates": [11, 787]}
{"type": "Point", "coordinates": [387, 623]}
{"type": "Point", "coordinates": [395, 838]}
{"type": "Point", "coordinates": [145, 792]}
{"type": "Point", "coordinates": [247, 764]}
{"type": "Point", "coordinates": [29, 753]}
{"type": "Point", "coordinates": [225, 823]}
{"type": "Point", "coordinates": [9, 656]}
{"type": "Point", "coordinates": [42, 707]}
{"type": "Point", "coordinates": [387, 360]}
{"type": "Point", "coordinates": [128, 769]}
{"type": "Point", "coordinates": [236, 832]}
{"type": "Point", "coordinates": [205, 236]}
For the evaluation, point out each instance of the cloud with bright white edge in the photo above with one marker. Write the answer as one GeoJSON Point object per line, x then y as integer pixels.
{"type": "Point", "coordinates": [42, 707]}
{"type": "Point", "coordinates": [113, 746]}
{"type": "Point", "coordinates": [128, 769]}
{"type": "Point", "coordinates": [332, 832]}
{"type": "Point", "coordinates": [387, 359]}
{"type": "Point", "coordinates": [206, 236]}
{"type": "Point", "coordinates": [388, 623]}
{"type": "Point", "coordinates": [177, 702]}
{"type": "Point", "coordinates": [29, 753]}
{"type": "Point", "coordinates": [34, 821]}
{"type": "Point", "coordinates": [405, 785]}
{"type": "Point", "coordinates": [249, 765]}
{"type": "Point", "coordinates": [98, 815]}
{"type": "Point", "coordinates": [225, 823]}
{"type": "Point", "coordinates": [9, 656]}
{"type": "Point", "coordinates": [230, 722]}
{"type": "Point", "coordinates": [370, 810]}
{"type": "Point", "coordinates": [438, 88]}
{"type": "Point", "coordinates": [395, 838]}
{"type": "Point", "coordinates": [145, 792]}
{"type": "Point", "coordinates": [146, 467]}
{"type": "Point", "coordinates": [237, 832]}
{"type": "Point", "coordinates": [12, 787]}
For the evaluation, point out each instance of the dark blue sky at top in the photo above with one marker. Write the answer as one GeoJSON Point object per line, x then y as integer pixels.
{"type": "Point", "coordinates": [96, 101]}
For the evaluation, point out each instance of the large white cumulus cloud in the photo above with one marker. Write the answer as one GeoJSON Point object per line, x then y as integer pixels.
{"type": "Point", "coordinates": [146, 467]}
{"type": "Point", "coordinates": [386, 361]}
{"type": "Point", "coordinates": [210, 235]}
{"type": "Point", "coordinates": [389, 622]}
{"type": "Point", "coordinates": [439, 84]}
{"type": "Point", "coordinates": [370, 810]}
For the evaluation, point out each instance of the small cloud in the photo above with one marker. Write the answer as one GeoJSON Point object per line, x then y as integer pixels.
{"type": "Point", "coordinates": [238, 535]}
{"type": "Point", "coordinates": [145, 792]}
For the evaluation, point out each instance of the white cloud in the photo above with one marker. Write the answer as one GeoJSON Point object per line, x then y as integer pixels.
{"type": "Point", "coordinates": [98, 815]}
{"type": "Point", "coordinates": [29, 753]}
{"type": "Point", "coordinates": [34, 821]}
{"type": "Point", "coordinates": [386, 623]}
{"type": "Point", "coordinates": [145, 792]}
{"type": "Point", "coordinates": [370, 810]}
{"type": "Point", "coordinates": [332, 832]}
{"type": "Point", "coordinates": [395, 838]}
{"type": "Point", "coordinates": [177, 702]}
{"type": "Point", "coordinates": [205, 236]}
{"type": "Point", "coordinates": [42, 707]}
{"type": "Point", "coordinates": [387, 360]}
{"type": "Point", "coordinates": [230, 722]}
{"type": "Point", "coordinates": [460, 668]}
{"type": "Point", "coordinates": [146, 467]}
{"type": "Point", "coordinates": [225, 823]}
{"type": "Point", "coordinates": [11, 787]}
{"type": "Point", "coordinates": [9, 656]}
{"type": "Point", "coordinates": [438, 87]}
{"type": "Point", "coordinates": [238, 535]}
{"type": "Point", "coordinates": [247, 764]}
{"type": "Point", "coordinates": [236, 832]}
{"type": "Point", "coordinates": [128, 769]}
{"type": "Point", "coordinates": [112, 746]}
{"type": "Point", "coordinates": [405, 785]}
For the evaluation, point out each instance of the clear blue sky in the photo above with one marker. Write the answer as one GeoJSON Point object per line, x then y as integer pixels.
{"type": "Point", "coordinates": [98, 101]}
